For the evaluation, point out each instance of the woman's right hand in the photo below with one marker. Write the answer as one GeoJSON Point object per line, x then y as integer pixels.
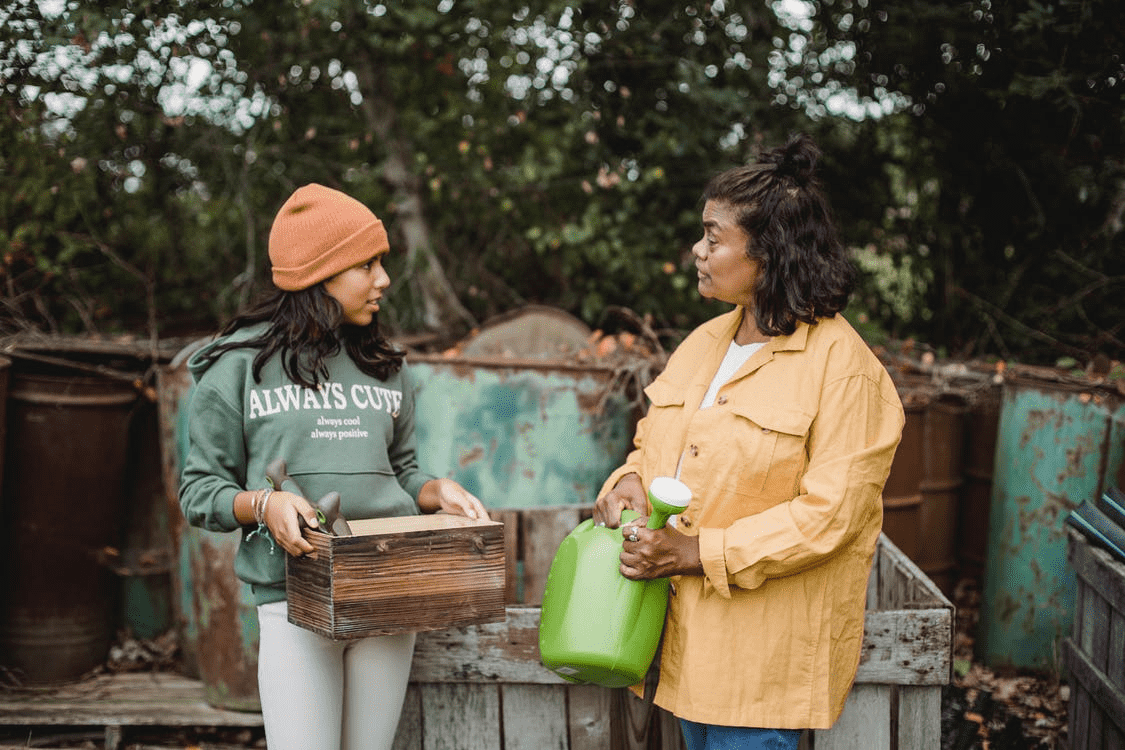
{"type": "Point", "coordinates": [281, 519]}
{"type": "Point", "coordinates": [629, 492]}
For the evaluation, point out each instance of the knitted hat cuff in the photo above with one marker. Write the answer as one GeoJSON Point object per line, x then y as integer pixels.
{"type": "Point", "coordinates": [320, 232]}
{"type": "Point", "coordinates": [365, 244]}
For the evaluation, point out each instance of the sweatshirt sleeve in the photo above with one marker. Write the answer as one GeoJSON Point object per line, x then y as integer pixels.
{"type": "Point", "coordinates": [851, 445]}
{"type": "Point", "coordinates": [402, 451]}
{"type": "Point", "coordinates": [215, 466]}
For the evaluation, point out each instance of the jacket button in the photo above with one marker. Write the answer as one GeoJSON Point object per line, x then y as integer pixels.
{"type": "Point", "coordinates": [694, 451]}
{"type": "Point", "coordinates": [722, 400]}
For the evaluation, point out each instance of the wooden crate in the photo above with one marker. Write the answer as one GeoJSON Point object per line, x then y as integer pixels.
{"type": "Point", "coordinates": [1094, 654]}
{"type": "Point", "coordinates": [397, 575]}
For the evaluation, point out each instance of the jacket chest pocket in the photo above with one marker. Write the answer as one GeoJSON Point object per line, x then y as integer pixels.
{"type": "Point", "coordinates": [772, 444]}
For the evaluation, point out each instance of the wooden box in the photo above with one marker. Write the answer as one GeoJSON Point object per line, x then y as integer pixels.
{"type": "Point", "coordinates": [397, 575]}
{"type": "Point", "coordinates": [1095, 651]}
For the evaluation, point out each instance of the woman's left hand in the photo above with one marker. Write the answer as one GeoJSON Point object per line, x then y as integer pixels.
{"type": "Point", "coordinates": [658, 553]}
{"type": "Point", "coordinates": [447, 496]}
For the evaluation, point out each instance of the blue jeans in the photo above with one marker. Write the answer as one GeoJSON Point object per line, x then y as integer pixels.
{"type": "Point", "coordinates": [714, 737]}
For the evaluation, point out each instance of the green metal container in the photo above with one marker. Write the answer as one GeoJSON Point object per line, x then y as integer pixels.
{"type": "Point", "coordinates": [520, 433]}
{"type": "Point", "coordinates": [1057, 445]}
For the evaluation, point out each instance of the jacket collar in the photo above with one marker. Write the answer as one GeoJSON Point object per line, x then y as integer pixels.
{"type": "Point", "coordinates": [727, 326]}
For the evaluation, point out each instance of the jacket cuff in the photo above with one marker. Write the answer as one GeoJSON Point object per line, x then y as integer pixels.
{"type": "Point", "coordinates": [712, 554]}
{"type": "Point", "coordinates": [224, 510]}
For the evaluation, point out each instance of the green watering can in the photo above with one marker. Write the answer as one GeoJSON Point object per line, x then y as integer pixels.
{"type": "Point", "coordinates": [596, 625]}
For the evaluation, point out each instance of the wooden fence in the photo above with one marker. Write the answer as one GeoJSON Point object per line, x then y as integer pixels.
{"type": "Point", "coordinates": [483, 686]}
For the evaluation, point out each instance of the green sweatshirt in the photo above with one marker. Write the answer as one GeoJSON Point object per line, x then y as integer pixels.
{"type": "Point", "coordinates": [354, 435]}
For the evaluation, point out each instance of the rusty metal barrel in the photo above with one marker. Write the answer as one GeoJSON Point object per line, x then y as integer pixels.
{"type": "Point", "coordinates": [982, 422]}
{"type": "Point", "coordinates": [64, 495]}
{"type": "Point", "coordinates": [902, 494]}
{"type": "Point", "coordinates": [1059, 443]}
{"type": "Point", "coordinates": [922, 496]}
{"type": "Point", "coordinates": [941, 486]}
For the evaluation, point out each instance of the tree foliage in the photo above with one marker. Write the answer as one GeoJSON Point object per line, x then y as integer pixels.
{"type": "Point", "coordinates": [553, 152]}
{"type": "Point", "coordinates": [1009, 153]}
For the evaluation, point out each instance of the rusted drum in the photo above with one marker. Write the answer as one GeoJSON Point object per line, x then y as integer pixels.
{"type": "Point", "coordinates": [982, 421]}
{"type": "Point", "coordinates": [222, 620]}
{"type": "Point", "coordinates": [215, 615]}
{"type": "Point", "coordinates": [942, 479]}
{"type": "Point", "coordinates": [64, 496]}
{"type": "Point", "coordinates": [902, 494]}
{"type": "Point", "coordinates": [1055, 448]}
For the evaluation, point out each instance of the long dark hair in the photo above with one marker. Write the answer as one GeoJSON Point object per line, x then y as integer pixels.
{"type": "Point", "coordinates": [804, 271]}
{"type": "Point", "coordinates": [305, 330]}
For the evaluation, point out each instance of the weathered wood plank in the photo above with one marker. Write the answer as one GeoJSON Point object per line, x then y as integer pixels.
{"type": "Point", "coordinates": [907, 647]}
{"type": "Point", "coordinates": [1096, 566]}
{"type": "Point", "coordinates": [1109, 698]}
{"type": "Point", "coordinates": [512, 584]}
{"type": "Point", "coordinates": [919, 717]}
{"type": "Point", "coordinates": [865, 723]}
{"type": "Point", "coordinates": [408, 736]}
{"type": "Point", "coordinates": [534, 717]}
{"type": "Point", "coordinates": [633, 722]}
{"type": "Point", "coordinates": [505, 651]}
{"type": "Point", "coordinates": [466, 717]}
{"type": "Point", "coordinates": [902, 584]}
{"type": "Point", "coordinates": [1115, 670]}
{"type": "Point", "coordinates": [543, 532]}
{"type": "Point", "coordinates": [134, 699]}
{"type": "Point", "coordinates": [588, 716]}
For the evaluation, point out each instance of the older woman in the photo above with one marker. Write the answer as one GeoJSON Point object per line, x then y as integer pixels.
{"type": "Point", "coordinates": [783, 423]}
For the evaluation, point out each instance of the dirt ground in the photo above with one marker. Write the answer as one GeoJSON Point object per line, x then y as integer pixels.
{"type": "Point", "coordinates": [986, 710]}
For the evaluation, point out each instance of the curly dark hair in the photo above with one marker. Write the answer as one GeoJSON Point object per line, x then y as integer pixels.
{"type": "Point", "coordinates": [804, 271]}
{"type": "Point", "coordinates": [305, 330]}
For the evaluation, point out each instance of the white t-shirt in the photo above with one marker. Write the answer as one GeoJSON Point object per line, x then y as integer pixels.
{"type": "Point", "coordinates": [735, 358]}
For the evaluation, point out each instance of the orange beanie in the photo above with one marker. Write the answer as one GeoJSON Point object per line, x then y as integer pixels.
{"type": "Point", "coordinates": [320, 232]}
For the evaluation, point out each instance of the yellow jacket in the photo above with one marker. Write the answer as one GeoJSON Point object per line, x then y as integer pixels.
{"type": "Point", "coordinates": [787, 471]}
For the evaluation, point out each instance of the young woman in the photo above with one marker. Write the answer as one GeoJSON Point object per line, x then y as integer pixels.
{"type": "Point", "coordinates": [783, 424]}
{"type": "Point", "coordinates": [308, 377]}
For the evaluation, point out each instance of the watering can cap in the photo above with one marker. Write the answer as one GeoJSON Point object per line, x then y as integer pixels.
{"type": "Point", "coordinates": [671, 490]}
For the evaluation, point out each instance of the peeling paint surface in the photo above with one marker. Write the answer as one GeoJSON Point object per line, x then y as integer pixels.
{"type": "Point", "coordinates": [225, 621]}
{"type": "Point", "coordinates": [1056, 447]}
{"type": "Point", "coordinates": [519, 436]}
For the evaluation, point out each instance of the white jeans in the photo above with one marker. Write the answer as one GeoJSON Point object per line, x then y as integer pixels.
{"type": "Point", "coordinates": [320, 694]}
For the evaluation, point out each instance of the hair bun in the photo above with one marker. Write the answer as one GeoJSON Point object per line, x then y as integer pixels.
{"type": "Point", "coordinates": [796, 159]}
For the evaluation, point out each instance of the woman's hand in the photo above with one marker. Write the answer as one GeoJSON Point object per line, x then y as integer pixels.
{"type": "Point", "coordinates": [281, 518]}
{"type": "Point", "coordinates": [658, 553]}
{"type": "Point", "coordinates": [629, 492]}
{"type": "Point", "coordinates": [447, 496]}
